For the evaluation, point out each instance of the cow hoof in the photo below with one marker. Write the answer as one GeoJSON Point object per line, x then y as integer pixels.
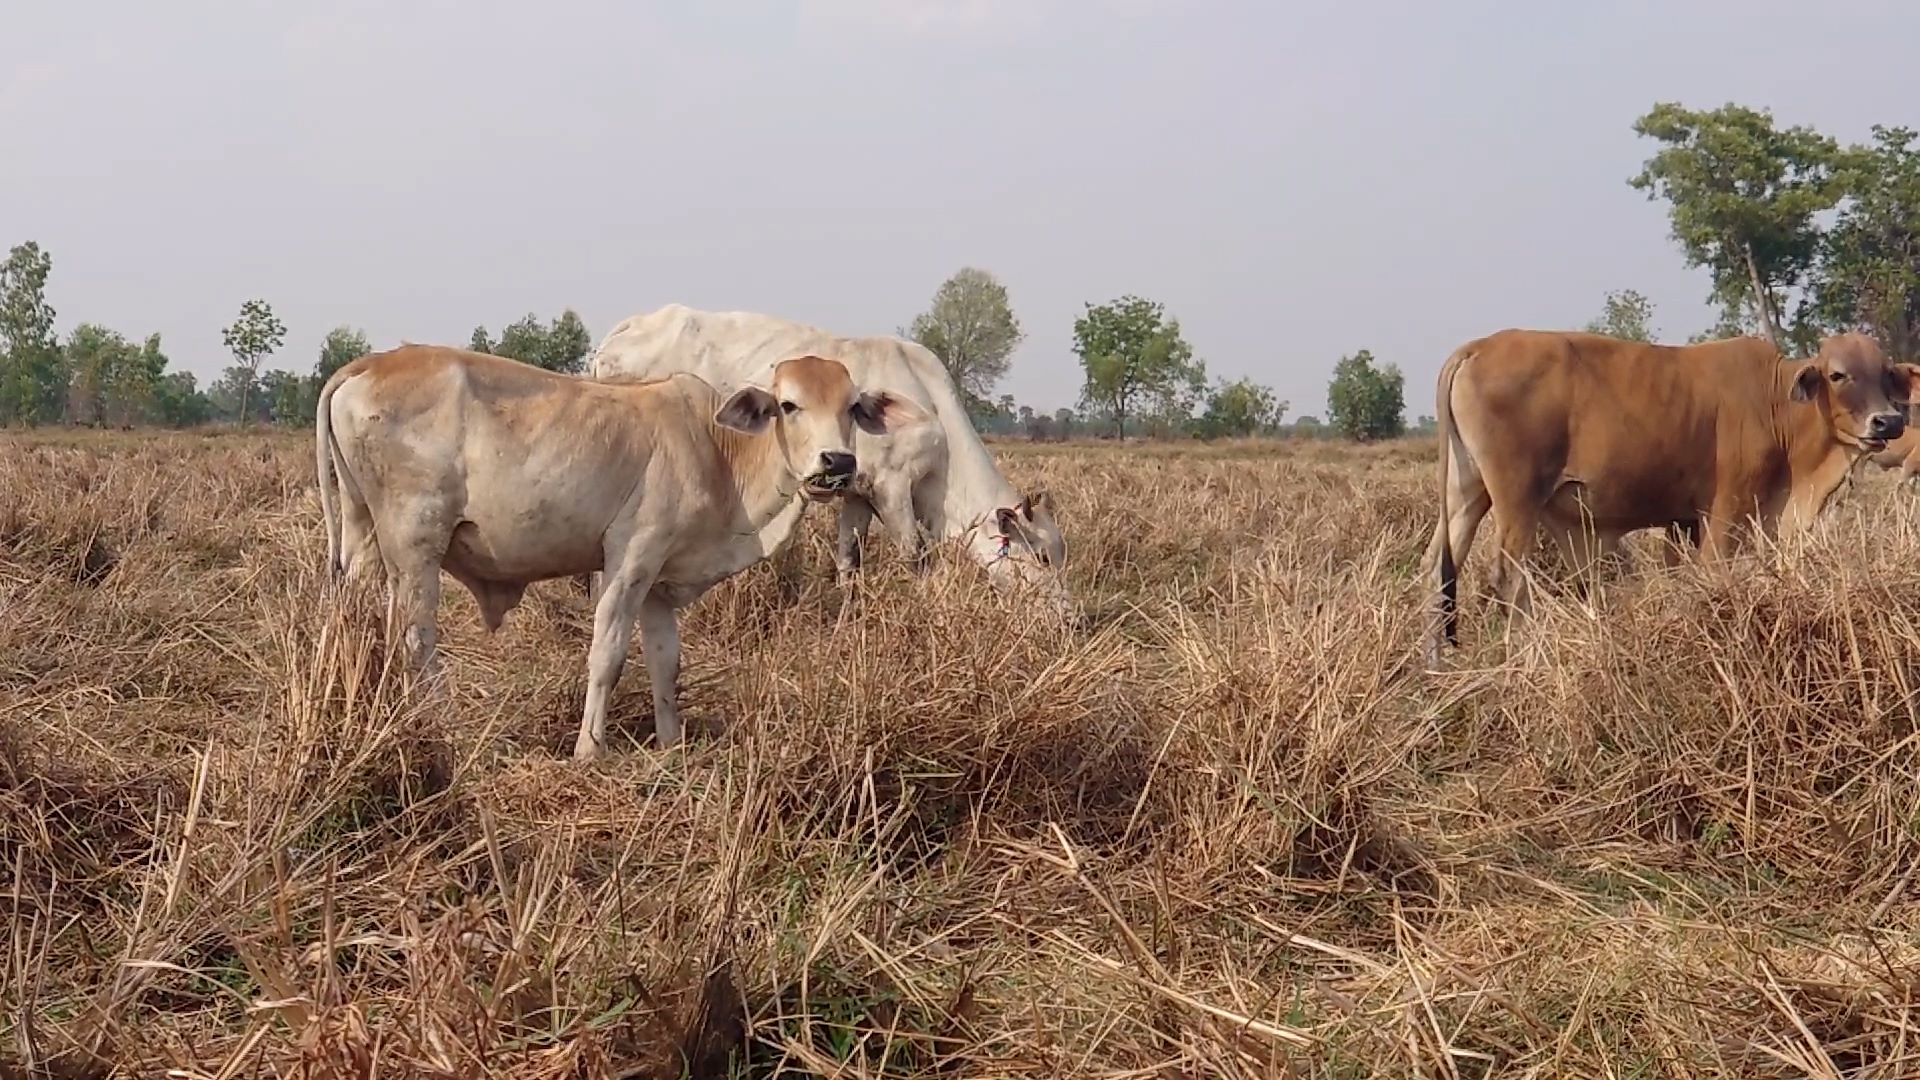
{"type": "Point", "coordinates": [585, 749]}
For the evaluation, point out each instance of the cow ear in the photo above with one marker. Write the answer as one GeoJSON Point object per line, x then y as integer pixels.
{"type": "Point", "coordinates": [1805, 383]}
{"type": "Point", "coordinates": [1004, 518]}
{"type": "Point", "coordinates": [1040, 501]}
{"type": "Point", "coordinates": [749, 410]}
{"type": "Point", "coordinates": [1906, 383]}
{"type": "Point", "coordinates": [880, 413]}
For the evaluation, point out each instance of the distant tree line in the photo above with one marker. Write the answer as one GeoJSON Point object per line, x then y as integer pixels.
{"type": "Point", "coordinates": [97, 377]}
{"type": "Point", "coordinates": [1800, 237]}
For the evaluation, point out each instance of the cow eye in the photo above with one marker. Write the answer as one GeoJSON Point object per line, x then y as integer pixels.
{"type": "Point", "coordinates": [1838, 376]}
{"type": "Point", "coordinates": [789, 408]}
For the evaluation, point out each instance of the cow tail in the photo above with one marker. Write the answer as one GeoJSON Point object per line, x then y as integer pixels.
{"type": "Point", "coordinates": [324, 450]}
{"type": "Point", "coordinates": [1444, 565]}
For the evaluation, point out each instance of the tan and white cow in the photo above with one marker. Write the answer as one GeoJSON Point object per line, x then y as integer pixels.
{"type": "Point", "coordinates": [503, 475]}
{"type": "Point", "coordinates": [932, 477]}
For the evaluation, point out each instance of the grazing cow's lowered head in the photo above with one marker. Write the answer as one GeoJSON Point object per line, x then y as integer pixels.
{"type": "Point", "coordinates": [1863, 396]}
{"type": "Point", "coordinates": [813, 401]}
{"type": "Point", "coordinates": [1027, 549]}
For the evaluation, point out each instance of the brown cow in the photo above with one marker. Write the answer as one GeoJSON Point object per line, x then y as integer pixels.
{"type": "Point", "coordinates": [1595, 437]}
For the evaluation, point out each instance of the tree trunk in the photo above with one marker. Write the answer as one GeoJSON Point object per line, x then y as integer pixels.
{"type": "Point", "coordinates": [1763, 301]}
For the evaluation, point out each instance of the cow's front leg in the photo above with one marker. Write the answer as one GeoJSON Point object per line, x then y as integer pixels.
{"type": "Point", "coordinates": [660, 644]}
{"type": "Point", "coordinates": [856, 514]}
{"type": "Point", "coordinates": [895, 505]}
{"type": "Point", "coordinates": [620, 596]}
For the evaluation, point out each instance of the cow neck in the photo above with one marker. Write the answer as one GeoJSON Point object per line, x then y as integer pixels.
{"type": "Point", "coordinates": [1818, 463]}
{"type": "Point", "coordinates": [975, 488]}
{"type": "Point", "coordinates": [767, 492]}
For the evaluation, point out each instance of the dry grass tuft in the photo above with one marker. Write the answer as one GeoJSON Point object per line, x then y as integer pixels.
{"type": "Point", "coordinates": [1231, 828]}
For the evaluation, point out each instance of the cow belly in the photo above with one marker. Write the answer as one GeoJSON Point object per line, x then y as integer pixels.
{"type": "Point", "coordinates": [1624, 503]}
{"type": "Point", "coordinates": [523, 556]}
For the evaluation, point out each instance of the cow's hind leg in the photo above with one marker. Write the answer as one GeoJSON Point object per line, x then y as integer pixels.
{"type": "Point", "coordinates": [414, 609]}
{"type": "Point", "coordinates": [359, 547]}
{"type": "Point", "coordinates": [1466, 503]}
{"type": "Point", "coordinates": [660, 644]}
{"type": "Point", "coordinates": [1516, 529]}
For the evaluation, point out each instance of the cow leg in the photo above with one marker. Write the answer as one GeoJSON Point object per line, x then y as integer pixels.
{"type": "Point", "coordinates": [1587, 552]}
{"type": "Point", "coordinates": [624, 584]}
{"type": "Point", "coordinates": [359, 549]}
{"type": "Point", "coordinates": [1517, 528]}
{"type": "Point", "coordinates": [1681, 538]}
{"type": "Point", "coordinates": [415, 604]}
{"type": "Point", "coordinates": [660, 644]}
{"type": "Point", "coordinates": [856, 514]}
{"type": "Point", "coordinates": [895, 504]}
{"type": "Point", "coordinates": [1465, 506]}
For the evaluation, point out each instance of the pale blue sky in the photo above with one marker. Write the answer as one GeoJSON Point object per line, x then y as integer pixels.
{"type": "Point", "coordinates": [1294, 182]}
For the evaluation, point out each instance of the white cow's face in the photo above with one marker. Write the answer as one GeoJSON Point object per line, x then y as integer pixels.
{"type": "Point", "coordinates": [813, 409]}
{"type": "Point", "coordinates": [1029, 550]}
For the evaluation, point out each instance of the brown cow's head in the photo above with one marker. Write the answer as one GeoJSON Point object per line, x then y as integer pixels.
{"type": "Point", "coordinates": [1864, 395]}
{"type": "Point", "coordinates": [813, 406]}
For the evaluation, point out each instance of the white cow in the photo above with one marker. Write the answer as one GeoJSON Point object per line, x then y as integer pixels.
{"type": "Point", "coordinates": [930, 478]}
{"type": "Point", "coordinates": [503, 475]}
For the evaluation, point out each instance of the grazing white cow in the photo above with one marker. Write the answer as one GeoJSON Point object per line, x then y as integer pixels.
{"type": "Point", "coordinates": [504, 475]}
{"type": "Point", "coordinates": [928, 478]}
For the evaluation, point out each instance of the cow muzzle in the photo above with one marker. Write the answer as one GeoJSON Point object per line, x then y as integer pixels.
{"type": "Point", "coordinates": [834, 476]}
{"type": "Point", "coordinates": [1883, 429]}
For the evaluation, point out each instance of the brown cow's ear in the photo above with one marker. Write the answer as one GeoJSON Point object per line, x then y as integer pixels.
{"type": "Point", "coordinates": [1806, 383]}
{"type": "Point", "coordinates": [1910, 374]}
{"type": "Point", "coordinates": [749, 410]}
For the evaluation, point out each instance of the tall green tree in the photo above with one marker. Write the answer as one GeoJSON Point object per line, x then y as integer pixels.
{"type": "Point", "coordinates": [342, 346]}
{"type": "Point", "coordinates": [110, 379]}
{"type": "Point", "coordinates": [1626, 314]}
{"type": "Point", "coordinates": [1742, 198]}
{"type": "Point", "coordinates": [91, 353]}
{"type": "Point", "coordinates": [289, 398]}
{"type": "Point", "coordinates": [1366, 401]}
{"type": "Point", "coordinates": [134, 386]}
{"type": "Point", "coordinates": [561, 345]}
{"type": "Point", "coordinates": [32, 380]}
{"type": "Point", "coordinates": [253, 337]}
{"type": "Point", "coordinates": [971, 327]}
{"type": "Point", "coordinates": [568, 344]}
{"type": "Point", "coordinates": [1869, 272]}
{"type": "Point", "coordinates": [480, 342]}
{"type": "Point", "coordinates": [1130, 351]}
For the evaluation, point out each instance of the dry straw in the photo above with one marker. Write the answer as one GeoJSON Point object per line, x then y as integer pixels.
{"type": "Point", "coordinates": [1229, 828]}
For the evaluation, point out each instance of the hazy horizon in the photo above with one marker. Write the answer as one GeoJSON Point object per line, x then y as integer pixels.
{"type": "Point", "coordinates": [1292, 185]}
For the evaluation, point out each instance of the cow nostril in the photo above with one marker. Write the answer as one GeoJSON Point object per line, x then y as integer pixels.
{"type": "Point", "coordinates": [836, 462]}
{"type": "Point", "coordinates": [1888, 424]}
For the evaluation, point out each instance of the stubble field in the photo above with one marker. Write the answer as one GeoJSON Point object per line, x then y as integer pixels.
{"type": "Point", "coordinates": [1229, 828]}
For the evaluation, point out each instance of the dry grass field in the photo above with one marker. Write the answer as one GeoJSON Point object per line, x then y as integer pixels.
{"type": "Point", "coordinates": [1229, 828]}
